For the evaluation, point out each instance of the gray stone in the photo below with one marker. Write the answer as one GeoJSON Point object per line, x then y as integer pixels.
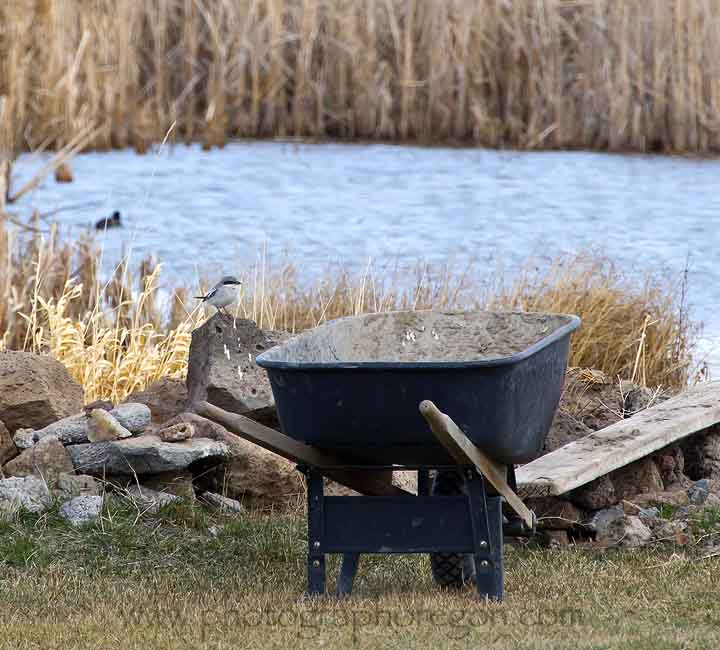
{"type": "Point", "coordinates": [35, 390]}
{"type": "Point", "coordinates": [221, 365]}
{"type": "Point", "coordinates": [148, 499]}
{"type": "Point", "coordinates": [177, 432]}
{"type": "Point", "coordinates": [24, 493]}
{"type": "Point", "coordinates": [144, 455]}
{"type": "Point", "coordinates": [635, 532]}
{"type": "Point", "coordinates": [135, 417]}
{"type": "Point", "coordinates": [649, 513]}
{"type": "Point", "coordinates": [222, 503]}
{"type": "Point", "coordinates": [71, 430]}
{"type": "Point", "coordinates": [698, 492]}
{"type": "Point", "coordinates": [24, 438]}
{"type": "Point", "coordinates": [607, 525]}
{"type": "Point", "coordinates": [70, 485]}
{"type": "Point", "coordinates": [103, 427]}
{"type": "Point", "coordinates": [81, 510]}
{"type": "Point", "coordinates": [47, 459]}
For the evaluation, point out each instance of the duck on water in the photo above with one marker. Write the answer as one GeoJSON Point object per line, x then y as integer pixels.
{"type": "Point", "coordinates": [113, 221]}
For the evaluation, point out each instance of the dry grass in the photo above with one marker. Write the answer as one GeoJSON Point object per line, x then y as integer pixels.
{"type": "Point", "coordinates": [115, 336]}
{"type": "Point", "coordinates": [601, 74]}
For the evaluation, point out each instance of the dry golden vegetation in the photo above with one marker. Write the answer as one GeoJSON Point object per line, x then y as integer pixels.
{"type": "Point", "coordinates": [601, 74]}
{"type": "Point", "coordinates": [115, 336]}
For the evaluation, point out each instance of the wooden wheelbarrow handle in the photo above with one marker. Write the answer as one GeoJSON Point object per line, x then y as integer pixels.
{"type": "Point", "coordinates": [461, 448]}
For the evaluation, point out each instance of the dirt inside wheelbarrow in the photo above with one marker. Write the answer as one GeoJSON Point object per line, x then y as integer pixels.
{"type": "Point", "coordinates": [419, 336]}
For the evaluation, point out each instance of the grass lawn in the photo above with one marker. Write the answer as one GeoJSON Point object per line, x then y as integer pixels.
{"type": "Point", "coordinates": [188, 579]}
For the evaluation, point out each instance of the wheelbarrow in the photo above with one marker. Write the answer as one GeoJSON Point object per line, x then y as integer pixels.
{"type": "Point", "coordinates": [459, 397]}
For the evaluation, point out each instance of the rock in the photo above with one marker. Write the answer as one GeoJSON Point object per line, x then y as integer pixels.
{"type": "Point", "coordinates": [24, 493]}
{"type": "Point", "coordinates": [642, 476]}
{"type": "Point", "coordinates": [70, 431]}
{"type": "Point", "coordinates": [671, 463]}
{"type": "Point", "coordinates": [699, 492]}
{"type": "Point", "coordinates": [150, 500]}
{"type": "Point", "coordinates": [607, 525]}
{"type": "Point", "coordinates": [222, 503]}
{"type": "Point", "coordinates": [649, 513]}
{"type": "Point", "coordinates": [596, 495]}
{"type": "Point", "coordinates": [675, 497]}
{"type": "Point", "coordinates": [24, 438]}
{"type": "Point", "coordinates": [178, 483]}
{"type": "Point", "coordinates": [177, 432]}
{"type": "Point", "coordinates": [103, 427]}
{"type": "Point", "coordinates": [47, 459]}
{"type": "Point", "coordinates": [203, 427]}
{"type": "Point", "coordinates": [145, 454]}
{"type": "Point", "coordinates": [35, 391]}
{"type": "Point", "coordinates": [165, 398]}
{"type": "Point", "coordinates": [8, 449]}
{"type": "Point", "coordinates": [638, 398]}
{"type": "Point", "coordinates": [63, 173]}
{"type": "Point", "coordinates": [70, 485]}
{"type": "Point", "coordinates": [104, 404]}
{"type": "Point", "coordinates": [135, 417]}
{"type": "Point", "coordinates": [82, 510]}
{"type": "Point", "coordinates": [252, 474]}
{"type": "Point", "coordinates": [565, 428]}
{"type": "Point", "coordinates": [591, 398]}
{"type": "Point", "coordinates": [635, 533]}
{"type": "Point", "coordinates": [702, 454]}
{"type": "Point", "coordinates": [554, 513]}
{"type": "Point", "coordinates": [221, 364]}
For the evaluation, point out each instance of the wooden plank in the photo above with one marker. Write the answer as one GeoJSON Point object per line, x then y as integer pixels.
{"type": "Point", "coordinates": [608, 449]}
{"type": "Point", "coordinates": [465, 452]}
{"type": "Point", "coordinates": [365, 482]}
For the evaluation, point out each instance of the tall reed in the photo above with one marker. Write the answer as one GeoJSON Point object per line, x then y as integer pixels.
{"type": "Point", "coordinates": [637, 75]}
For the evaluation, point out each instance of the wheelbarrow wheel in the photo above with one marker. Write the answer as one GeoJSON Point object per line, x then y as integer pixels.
{"type": "Point", "coordinates": [450, 570]}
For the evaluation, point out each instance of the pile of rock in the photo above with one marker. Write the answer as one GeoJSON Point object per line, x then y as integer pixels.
{"type": "Point", "coordinates": [625, 507]}
{"type": "Point", "coordinates": [152, 446]}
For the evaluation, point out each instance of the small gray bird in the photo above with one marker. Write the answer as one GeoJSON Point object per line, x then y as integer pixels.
{"type": "Point", "coordinates": [223, 293]}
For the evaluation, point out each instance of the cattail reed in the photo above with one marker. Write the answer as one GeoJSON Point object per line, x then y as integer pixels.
{"type": "Point", "coordinates": [617, 75]}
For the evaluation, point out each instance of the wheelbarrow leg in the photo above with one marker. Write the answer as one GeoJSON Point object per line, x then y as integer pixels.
{"type": "Point", "coordinates": [486, 513]}
{"type": "Point", "coordinates": [316, 558]}
{"type": "Point", "coordinates": [348, 569]}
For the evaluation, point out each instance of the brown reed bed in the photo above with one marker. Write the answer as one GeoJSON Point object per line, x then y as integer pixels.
{"type": "Point", "coordinates": [117, 334]}
{"type": "Point", "coordinates": [636, 75]}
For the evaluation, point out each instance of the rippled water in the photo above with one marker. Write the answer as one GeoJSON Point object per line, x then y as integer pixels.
{"type": "Point", "coordinates": [214, 210]}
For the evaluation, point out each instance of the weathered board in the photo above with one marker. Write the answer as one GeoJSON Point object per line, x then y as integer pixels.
{"type": "Point", "coordinates": [608, 449]}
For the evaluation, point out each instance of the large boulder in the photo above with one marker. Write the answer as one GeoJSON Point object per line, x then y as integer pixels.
{"type": "Point", "coordinates": [165, 398]}
{"type": "Point", "coordinates": [251, 474]}
{"type": "Point", "coordinates": [48, 459]}
{"type": "Point", "coordinates": [222, 368]}
{"type": "Point", "coordinates": [145, 454]}
{"type": "Point", "coordinates": [35, 391]}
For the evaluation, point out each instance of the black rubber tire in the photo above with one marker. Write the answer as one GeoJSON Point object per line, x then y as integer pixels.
{"type": "Point", "coordinates": [450, 570]}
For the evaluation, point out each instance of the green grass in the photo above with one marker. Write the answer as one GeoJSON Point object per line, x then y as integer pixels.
{"type": "Point", "coordinates": [186, 578]}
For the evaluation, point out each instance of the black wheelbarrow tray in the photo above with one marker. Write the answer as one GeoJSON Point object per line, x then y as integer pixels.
{"type": "Point", "coordinates": [465, 394]}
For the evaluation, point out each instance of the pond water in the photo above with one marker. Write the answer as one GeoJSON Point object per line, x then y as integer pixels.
{"type": "Point", "coordinates": [211, 212]}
